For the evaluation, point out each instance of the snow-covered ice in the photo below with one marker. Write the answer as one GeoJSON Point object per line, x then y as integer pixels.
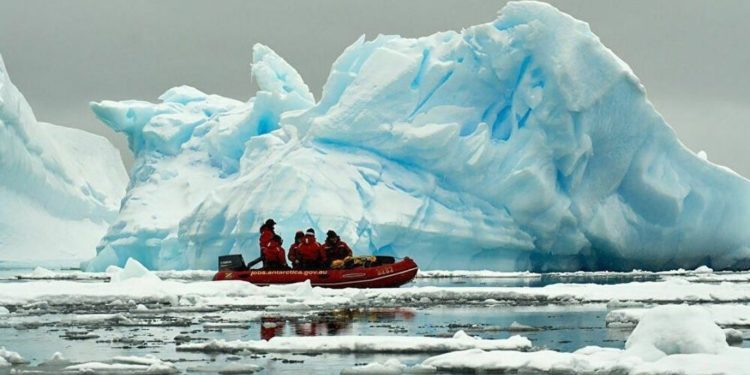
{"type": "Point", "coordinates": [60, 188]}
{"type": "Point", "coordinates": [361, 344]}
{"type": "Point", "coordinates": [519, 144]}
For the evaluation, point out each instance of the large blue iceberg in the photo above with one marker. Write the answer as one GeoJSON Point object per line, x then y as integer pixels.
{"type": "Point", "coordinates": [60, 188]}
{"type": "Point", "coordinates": [520, 144]}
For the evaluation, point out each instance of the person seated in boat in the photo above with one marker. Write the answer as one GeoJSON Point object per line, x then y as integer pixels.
{"type": "Point", "coordinates": [267, 231]}
{"type": "Point", "coordinates": [311, 254]}
{"type": "Point", "coordinates": [273, 254]}
{"type": "Point", "coordinates": [335, 249]}
{"type": "Point", "coordinates": [294, 256]}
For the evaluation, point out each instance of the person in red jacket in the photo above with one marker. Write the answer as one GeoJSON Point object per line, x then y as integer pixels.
{"type": "Point", "coordinates": [294, 256]}
{"type": "Point", "coordinates": [335, 248]}
{"type": "Point", "coordinates": [273, 254]}
{"type": "Point", "coordinates": [266, 232]}
{"type": "Point", "coordinates": [311, 254]}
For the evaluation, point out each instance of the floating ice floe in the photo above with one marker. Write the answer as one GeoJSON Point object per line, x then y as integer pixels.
{"type": "Point", "coordinates": [484, 274]}
{"type": "Point", "coordinates": [148, 365]}
{"type": "Point", "coordinates": [41, 273]}
{"type": "Point", "coordinates": [226, 369]}
{"type": "Point", "coordinates": [360, 344]}
{"type": "Point", "coordinates": [669, 340]}
{"type": "Point", "coordinates": [725, 315]}
{"type": "Point", "coordinates": [389, 367]}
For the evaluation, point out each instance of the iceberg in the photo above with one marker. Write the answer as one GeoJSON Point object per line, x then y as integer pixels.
{"type": "Point", "coordinates": [60, 188]}
{"type": "Point", "coordinates": [519, 144]}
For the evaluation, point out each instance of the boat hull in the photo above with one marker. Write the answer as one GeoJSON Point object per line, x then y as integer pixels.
{"type": "Point", "coordinates": [383, 276]}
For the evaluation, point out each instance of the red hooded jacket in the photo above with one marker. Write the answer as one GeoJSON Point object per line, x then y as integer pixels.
{"type": "Point", "coordinates": [266, 235]}
{"type": "Point", "coordinates": [273, 254]}
{"type": "Point", "coordinates": [310, 250]}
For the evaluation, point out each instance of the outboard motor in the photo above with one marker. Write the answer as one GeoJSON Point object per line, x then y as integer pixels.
{"type": "Point", "coordinates": [233, 262]}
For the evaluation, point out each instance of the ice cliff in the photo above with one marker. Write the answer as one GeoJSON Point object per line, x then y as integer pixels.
{"type": "Point", "coordinates": [60, 188]}
{"type": "Point", "coordinates": [523, 143]}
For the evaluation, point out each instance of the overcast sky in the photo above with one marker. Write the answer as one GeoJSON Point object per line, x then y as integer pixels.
{"type": "Point", "coordinates": [692, 56]}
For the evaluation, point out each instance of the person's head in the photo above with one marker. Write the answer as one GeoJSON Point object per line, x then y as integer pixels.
{"type": "Point", "coordinates": [277, 239]}
{"type": "Point", "coordinates": [332, 236]}
{"type": "Point", "coordinates": [270, 223]}
{"type": "Point", "coordinates": [310, 232]}
{"type": "Point", "coordinates": [298, 236]}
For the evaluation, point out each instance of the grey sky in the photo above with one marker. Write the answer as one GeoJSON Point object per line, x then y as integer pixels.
{"type": "Point", "coordinates": [692, 56]}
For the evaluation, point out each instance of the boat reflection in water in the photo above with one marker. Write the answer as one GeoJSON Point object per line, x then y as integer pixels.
{"type": "Point", "coordinates": [328, 323]}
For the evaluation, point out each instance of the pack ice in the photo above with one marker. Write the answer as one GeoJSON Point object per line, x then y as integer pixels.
{"type": "Point", "coordinates": [60, 188]}
{"type": "Point", "coordinates": [520, 144]}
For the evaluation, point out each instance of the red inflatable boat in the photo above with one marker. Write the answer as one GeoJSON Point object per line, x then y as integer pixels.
{"type": "Point", "coordinates": [386, 272]}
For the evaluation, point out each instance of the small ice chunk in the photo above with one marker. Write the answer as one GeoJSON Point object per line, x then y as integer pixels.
{"type": "Point", "coordinates": [734, 336]}
{"type": "Point", "coordinates": [518, 327]}
{"type": "Point", "coordinates": [232, 368]}
{"type": "Point", "coordinates": [703, 269]}
{"type": "Point", "coordinates": [461, 335]}
{"type": "Point", "coordinates": [57, 359]}
{"type": "Point", "coordinates": [42, 273]}
{"type": "Point", "coordinates": [133, 270]}
{"type": "Point", "coordinates": [11, 357]}
{"type": "Point", "coordinates": [4, 311]}
{"type": "Point", "coordinates": [391, 366]}
{"type": "Point", "coordinates": [702, 155]}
